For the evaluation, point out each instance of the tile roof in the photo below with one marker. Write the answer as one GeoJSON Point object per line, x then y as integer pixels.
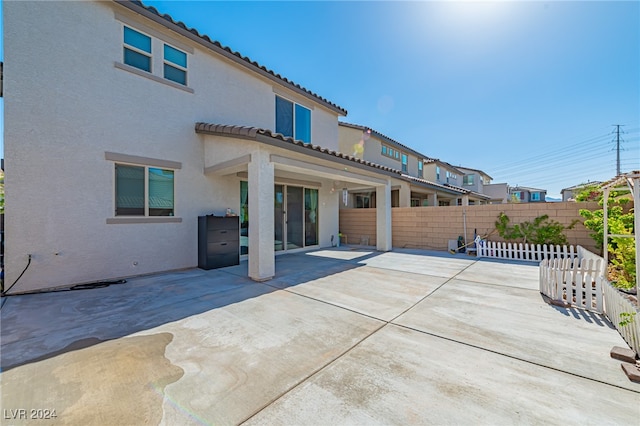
{"type": "Point", "coordinates": [204, 40]}
{"type": "Point", "coordinates": [436, 185]}
{"type": "Point", "coordinates": [435, 160]}
{"type": "Point", "coordinates": [247, 132]}
{"type": "Point", "coordinates": [474, 170]}
{"type": "Point", "coordinates": [526, 188]}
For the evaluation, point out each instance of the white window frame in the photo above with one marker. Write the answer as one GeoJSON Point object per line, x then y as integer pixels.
{"type": "Point", "coordinates": [125, 45]}
{"type": "Point", "coordinates": [165, 61]}
{"type": "Point", "coordinates": [157, 38]}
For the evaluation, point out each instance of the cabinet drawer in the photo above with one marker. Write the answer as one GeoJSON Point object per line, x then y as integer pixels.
{"type": "Point", "coordinates": [218, 223]}
{"type": "Point", "coordinates": [222, 247]}
{"type": "Point", "coordinates": [223, 234]}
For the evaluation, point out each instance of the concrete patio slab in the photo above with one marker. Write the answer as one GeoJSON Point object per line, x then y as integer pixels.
{"type": "Point", "coordinates": [401, 376]}
{"type": "Point", "coordinates": [231, 361]}
{"type": "Point", "coordinates": [518, 323]}
{"type": "Point", "coordinates": [446, 266]}
{"type": "Point", "coordinates": [342, 335]}
{"type": "Point", "coordinates": [379, 293]}
{"type": "Point", "coordinates": [515, 274]}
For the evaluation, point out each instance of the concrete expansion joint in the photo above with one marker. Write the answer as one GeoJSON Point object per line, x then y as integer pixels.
{"type": "Point", "coordinates": [519, 359]}
{"type": "Point", "coordinates": [313, 373]}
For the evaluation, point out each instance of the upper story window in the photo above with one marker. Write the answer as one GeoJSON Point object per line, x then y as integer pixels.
{"type": "Point", "coordinates": [437, 172]}
{"type": "Point", "coordinates": [518, 195]}
{"type": "Point", "coordinates": [390, 152]}
{"type": "Point", "coordinates": [153, 55]}
{"type": "Point", "coordinates": [467, 180]}
{"type": "Point", "coordinates": [420, 172]}
{"type": "Point", "coordinates": [293, 120]}
{"type": "Point", "coordinates": [137, 49]}
{"type": "Point", "coordinates": [175, 65]}
{"type": "Point", "coordinates": [535, 196]}
{"type": "Point", "coordinates": [405, 160]}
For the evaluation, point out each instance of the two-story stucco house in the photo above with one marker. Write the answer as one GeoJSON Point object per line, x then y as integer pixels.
{"type": "Point", "coordinates": [413, 188]}
{"type": "Point", "coordinates": [122, 127]}
{"type": "Point", "coordinates": [480, 182]}
{"type": "Point", "coordinates": [452, 177]}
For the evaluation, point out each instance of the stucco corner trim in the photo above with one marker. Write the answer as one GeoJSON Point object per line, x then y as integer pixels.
{"type": "Point", "coordinates": [133, 220]}
{"type": "Point", "coordinates": [146, 161]}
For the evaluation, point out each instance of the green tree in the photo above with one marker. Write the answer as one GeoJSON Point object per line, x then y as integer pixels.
{"type": "Point", "coordinates": [621, 250]}
{"type": "Point", "coordinates": [541, 230]}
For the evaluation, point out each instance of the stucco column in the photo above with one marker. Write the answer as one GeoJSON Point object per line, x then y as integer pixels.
{"type": "Point", "coordinates": [405, 195]}
{"type": "Point", "coordinates": [383, 217]}
{"type": "Point", "coordinates": [435, 199]}
{"type": "Point", "coordinates": [465, 200]}
{"type": "Point", "coordinates": [262, 263]}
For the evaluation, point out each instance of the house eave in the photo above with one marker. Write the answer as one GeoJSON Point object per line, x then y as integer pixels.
{"type": "Point", "coordinates": [214, 46]}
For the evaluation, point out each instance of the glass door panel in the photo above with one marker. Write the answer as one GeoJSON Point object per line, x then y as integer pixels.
{"type": "Point", "coordinates": [294, 217]}
{"type": "Point", "coordinates": [310, 217]}
{"type": "Point", "coordinates": [278, 205]}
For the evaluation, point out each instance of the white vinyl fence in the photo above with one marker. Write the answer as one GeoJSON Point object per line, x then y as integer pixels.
{"type": "Point", "coordinates": [576, 281]}
{"type": "Point", "coordinates": [581, 282]}
{"type": "Point", "coordinates": [523, 251]}
{"type": "Point", "coordinates": [618, 309]}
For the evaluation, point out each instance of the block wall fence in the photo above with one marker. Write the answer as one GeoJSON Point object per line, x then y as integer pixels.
{"type": "Point", "coordinates": [432, 227]}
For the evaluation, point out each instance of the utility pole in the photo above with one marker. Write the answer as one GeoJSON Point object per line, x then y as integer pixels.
{"type": "Point", "coordinates": [617, 131]}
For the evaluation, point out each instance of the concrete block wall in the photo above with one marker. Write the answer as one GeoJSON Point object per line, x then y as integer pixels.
{"type": "Point", "coordinates": [433, 227]}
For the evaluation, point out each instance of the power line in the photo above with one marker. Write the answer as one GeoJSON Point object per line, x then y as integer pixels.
{"type": "Point", "coordinates": [597, 140]}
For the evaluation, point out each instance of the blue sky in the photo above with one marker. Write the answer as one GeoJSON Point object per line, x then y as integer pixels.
{"type": "Point", "coordinates": [526, 91]}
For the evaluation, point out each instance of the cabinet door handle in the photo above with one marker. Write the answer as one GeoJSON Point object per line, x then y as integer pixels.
{"type": "Point", "coordinates": [223, 244]}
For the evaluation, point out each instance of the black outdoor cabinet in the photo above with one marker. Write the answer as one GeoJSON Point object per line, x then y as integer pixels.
{"type": "Point", "coordinates": [218, 241]}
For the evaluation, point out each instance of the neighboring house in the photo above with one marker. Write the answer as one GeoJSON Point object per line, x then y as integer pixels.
{"type": "Point", "coordinates": [442, 172]}
{"type": "Point", "coordinates": [479, 181]}
{"type": "Point", "coordinates": [148, 125]}
{"type": "Point", "coordinates": [413, 188]}
{"type": "Point", "coordinates": [522, 194]}
{"type": "Point", "coordinates": [474, 179]}
{"type": "Point", "coordinates": [497, 192]}
{"type": "Point", "coordinates": [569, 194]}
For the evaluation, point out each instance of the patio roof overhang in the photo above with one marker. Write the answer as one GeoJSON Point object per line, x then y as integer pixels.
{"type": "Point", "coordinates": [317, 161]}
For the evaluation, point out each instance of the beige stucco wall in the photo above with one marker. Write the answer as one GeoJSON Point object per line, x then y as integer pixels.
{"type": "Point", "coordinates": [66, 104]}
{"type": "Point", "coordinates": [432, 228]}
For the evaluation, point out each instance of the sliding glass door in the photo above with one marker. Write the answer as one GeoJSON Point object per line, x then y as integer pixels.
{"type": "Point", "coordinates": [295, 217]}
